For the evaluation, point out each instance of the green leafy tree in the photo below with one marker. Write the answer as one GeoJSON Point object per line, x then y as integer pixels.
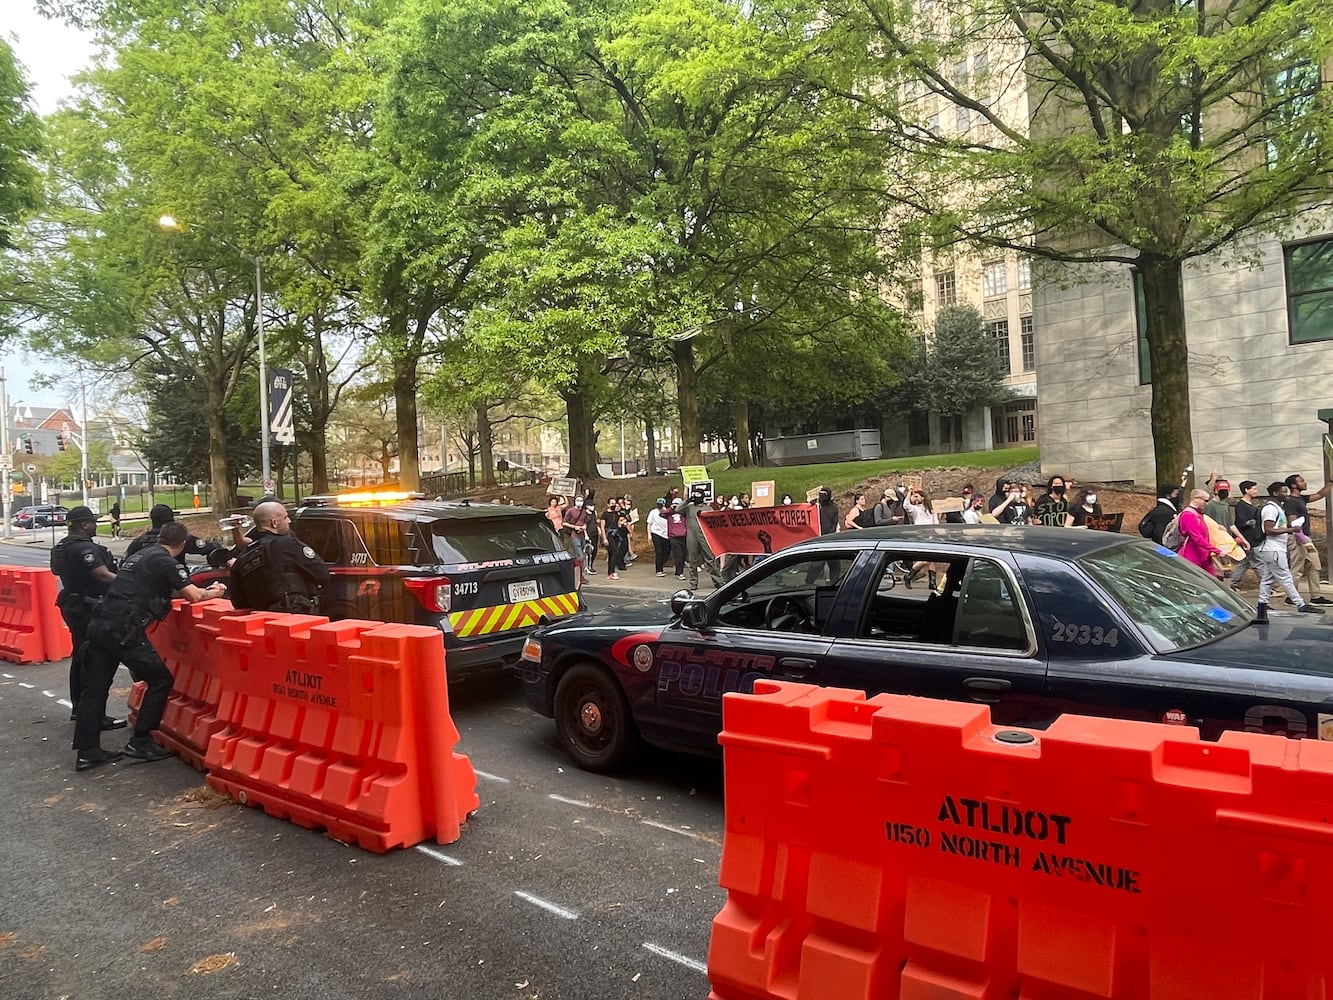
{"type": "Point", "coordinates": [961, 368]}
{"type": "Point", "coordinates": [20, 141]}
{"type": "Point", "coordinates": [1160, 131]}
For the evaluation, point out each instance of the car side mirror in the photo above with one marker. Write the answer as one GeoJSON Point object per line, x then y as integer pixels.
{"type": "Point", "coordinates": [694, 614]}
{"type": "Point", "coordinates": [678, 601]}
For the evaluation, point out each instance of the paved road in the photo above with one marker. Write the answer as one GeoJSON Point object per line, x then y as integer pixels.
{"type": "Point", "coordinates": [136, 880]}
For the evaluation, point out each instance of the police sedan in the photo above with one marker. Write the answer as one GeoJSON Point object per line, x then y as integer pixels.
{"type": "Point", "coordinates": [1033, 622]}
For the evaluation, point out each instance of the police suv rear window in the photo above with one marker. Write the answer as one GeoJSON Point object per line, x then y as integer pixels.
{"type": "Point", "coordinates": [470, 540]}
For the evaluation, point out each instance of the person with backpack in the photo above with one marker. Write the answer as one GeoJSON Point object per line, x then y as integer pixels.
{"type": "Point", "coordinates": [1196, 547]}
{"type": "Point", "coordinates": [1154, 523]}
{"type": "Point", "coordinates": [1251, 530]}
{"type": "Point", "coordinates": [889, 510]}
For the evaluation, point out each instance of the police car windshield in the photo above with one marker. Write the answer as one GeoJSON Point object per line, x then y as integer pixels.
{"type": "Point", "coordinates": [469, 540]}
{"type": "Point", "coordinates": [1177, 606]}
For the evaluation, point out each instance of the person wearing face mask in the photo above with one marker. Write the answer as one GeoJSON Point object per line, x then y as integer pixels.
{"type": "Point", "coordinates": [1085, 506]}
{"type": "Point", "coordinates": [976, 506]}
{"type": "Point", "coordinates": [1052, 507]}
{"type": "Point", "coordinates": [575, 520]}
{"type": "Point", "coordinates": [828, 511]}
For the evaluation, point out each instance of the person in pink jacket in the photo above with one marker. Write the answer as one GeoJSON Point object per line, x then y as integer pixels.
{"type": "Point", "coordinates": [1197, 548]}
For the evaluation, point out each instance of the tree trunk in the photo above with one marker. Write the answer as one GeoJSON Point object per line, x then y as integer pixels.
{"type": "Point", "coordinates": [651, 435]}
{"type": "Point", "coordinates": [471, 444]}
{"type": "Point", "coordinates": [405, 419]}
{"type": "Point", "coordinates": [319, 464]}
{"type": "Point", "coordinates": [486, 441]}
{"type": "Point", "coordinates": [740, 417]}
{"type": "Point", "coordinates": [687, 401]}
{"type": "Point", "coordinates": [219, 470]}
{"type": "Point", "coordinates": [582, 440]}
{"type": "Point", "coordinates": [1168, 353]}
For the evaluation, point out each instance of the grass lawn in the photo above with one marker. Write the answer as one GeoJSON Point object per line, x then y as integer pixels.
{"type": "Point", "coordinates": [799, 479]}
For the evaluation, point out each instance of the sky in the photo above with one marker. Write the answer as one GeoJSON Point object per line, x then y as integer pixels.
{"type": "Point", "coordinates": [50, 53]}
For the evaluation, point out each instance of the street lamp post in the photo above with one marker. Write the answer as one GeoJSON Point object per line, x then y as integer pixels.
{"type": "Point", "coordinates": [170, 222]}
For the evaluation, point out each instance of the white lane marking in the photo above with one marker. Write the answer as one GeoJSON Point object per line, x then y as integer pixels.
{"type": "Point", "coordinates": [8, 677]}
{"type": "Point", "coordinates": [490, 777]}
{"type": "Point", "coordinates": [438, 855]}
{"type": "Point", "coordinates": [65, 702]}
{"type": "Point", "coordinates": [49, 694]}
{"type": "Point", "coordinates": [677, 957]}
{"type": "Point", "coordinates": [570, 802]}
{"type": "Point", "coordinates": [559, 911]}
{"type": "Point", "coordinates": [669, 829]}
{"type": "Point", "coordinates": [28, 686]}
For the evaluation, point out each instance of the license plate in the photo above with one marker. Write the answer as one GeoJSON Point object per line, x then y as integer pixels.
{"type": "Point", "coordinates": [526, 591]}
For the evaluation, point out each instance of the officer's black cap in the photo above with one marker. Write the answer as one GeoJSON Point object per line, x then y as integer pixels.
{"type": "Point", "coordinates": [80, 513]}
{"type": "Point", "coordinates": [161, 514]}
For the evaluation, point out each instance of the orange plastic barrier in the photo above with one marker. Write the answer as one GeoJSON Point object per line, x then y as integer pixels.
{"type": "Point", "coordinates": [31, 628]}
{"type": "Point", "coordinates": [340, 725]}
{"type": "Point", "coordinates": [902, 848]}
{"type": "Point", "coordinates": [184, 640]}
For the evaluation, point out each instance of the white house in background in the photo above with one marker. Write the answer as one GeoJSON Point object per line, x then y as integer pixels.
{"type": "Point", "coordinates": [1259, 323]}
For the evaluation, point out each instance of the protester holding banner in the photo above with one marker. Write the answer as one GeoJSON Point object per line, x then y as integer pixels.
{"type": "Point", "coordinates": [1052, 507]}
{"type": "Point", "coordinates": [828, 511]}
{"type": "Point", "coordinates": [698, 552]}
{"type": "Point", "coordinates": [553, 514]}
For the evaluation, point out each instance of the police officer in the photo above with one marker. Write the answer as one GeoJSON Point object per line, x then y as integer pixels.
{"type": "Point", "coordinates": [140, 593]}
{"type": "Point", "coordinates": [85, 569]}
{"type": "Point", "coordinates": [276, 572]}
{"type": "Point", "coordinates": [161, 515]}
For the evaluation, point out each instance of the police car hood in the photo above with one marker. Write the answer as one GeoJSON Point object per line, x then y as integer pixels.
{"type": "Point", "coordinates": [1290, 642]}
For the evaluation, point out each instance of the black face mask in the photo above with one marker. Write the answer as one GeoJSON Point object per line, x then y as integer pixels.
{"type": "Point", "coordinates": [1057, 491]}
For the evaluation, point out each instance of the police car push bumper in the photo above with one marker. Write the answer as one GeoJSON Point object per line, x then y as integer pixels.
{"type": "Point", "coordinates": [499, 618]}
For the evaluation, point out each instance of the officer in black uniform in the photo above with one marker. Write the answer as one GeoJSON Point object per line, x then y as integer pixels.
{"type": "Point", "coordinates": [85, 569]}
{"type": "Point", "coordinates": [161, 515]}
{"type": "Point", "coordinates": [276, 572]}
{"type": "Point", "coordinates": [140, 593]}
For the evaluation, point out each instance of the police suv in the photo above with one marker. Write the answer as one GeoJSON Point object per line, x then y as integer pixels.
{"type": "Point", "coordinates": [484, 574]}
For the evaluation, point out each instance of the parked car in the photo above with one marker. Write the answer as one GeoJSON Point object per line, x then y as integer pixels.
{"type": "Point", "coordinates": [39, 517]}
{"type": "Point", "coordinates": [1033, 622]}
{"type": "Point", "coordinates": [484, 574]}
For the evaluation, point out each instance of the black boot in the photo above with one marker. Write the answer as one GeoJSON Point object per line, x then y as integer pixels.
{"type": "Point", "coordinates": [1260, 615]}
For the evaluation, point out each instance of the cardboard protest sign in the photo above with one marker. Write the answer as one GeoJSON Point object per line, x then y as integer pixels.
{"type": "Point", "coordinates": [912, 482]}
{"type": "Point", "coordinates": [988, 518]}
{"type": "Point", "coordinates": [762, 494]}
{"type": "Point", "coordinates": [693, 474]}
{"type": "Point", "coordinates": [949, 505]}
{"type": "Point", "coordinates": [758, 531]}
{"type": "Point", "coordinates": [563, 486]}
{"type": "Point", "coordinates": [812, 495]}
{"type": "Point", "coordinates": [1105, 522]}
{"type": "Point", "coordinates": [633, 515]}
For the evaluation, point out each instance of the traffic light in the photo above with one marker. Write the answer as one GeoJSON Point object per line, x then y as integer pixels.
{"type": "Point", "coordinates": [27, 443]}
{"type": "Point", "coordinates": [60, 440]}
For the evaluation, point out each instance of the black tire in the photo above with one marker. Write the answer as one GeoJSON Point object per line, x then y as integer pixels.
{"type": "Point", "coordinates": [593, 721]}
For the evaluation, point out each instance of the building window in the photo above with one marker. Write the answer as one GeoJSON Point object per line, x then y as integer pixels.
{"type": "Point", "coordinates": [946, 289]}
{"type": "Point", "coordinates": [916, 297]}
{"type": "Point", "coordinates": [1015, 424]}
{"type": "Point", "coordinates": [1290, 90]}
{"type": "Point", "coordinates": [1141, 330]}
{"type": "Point", "coordinates": [994, 281]}
{"type": "Point", "coordinates": [1029, 343]}
{"type": "Point", "coordinates": [964, 119]}
{"type": "Point", "coordinates": [1024, 274]}
{"type": "Point", "coordinates": [918, 429]}
{"type": "Point", "coordinates": [960, 73]}
{"type": "Point", "coordinates": [998, 330]}
{"type": "Point", "coordinates": [979, 63]}
{"type": "Point", "coordinates": [1309, 269]}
